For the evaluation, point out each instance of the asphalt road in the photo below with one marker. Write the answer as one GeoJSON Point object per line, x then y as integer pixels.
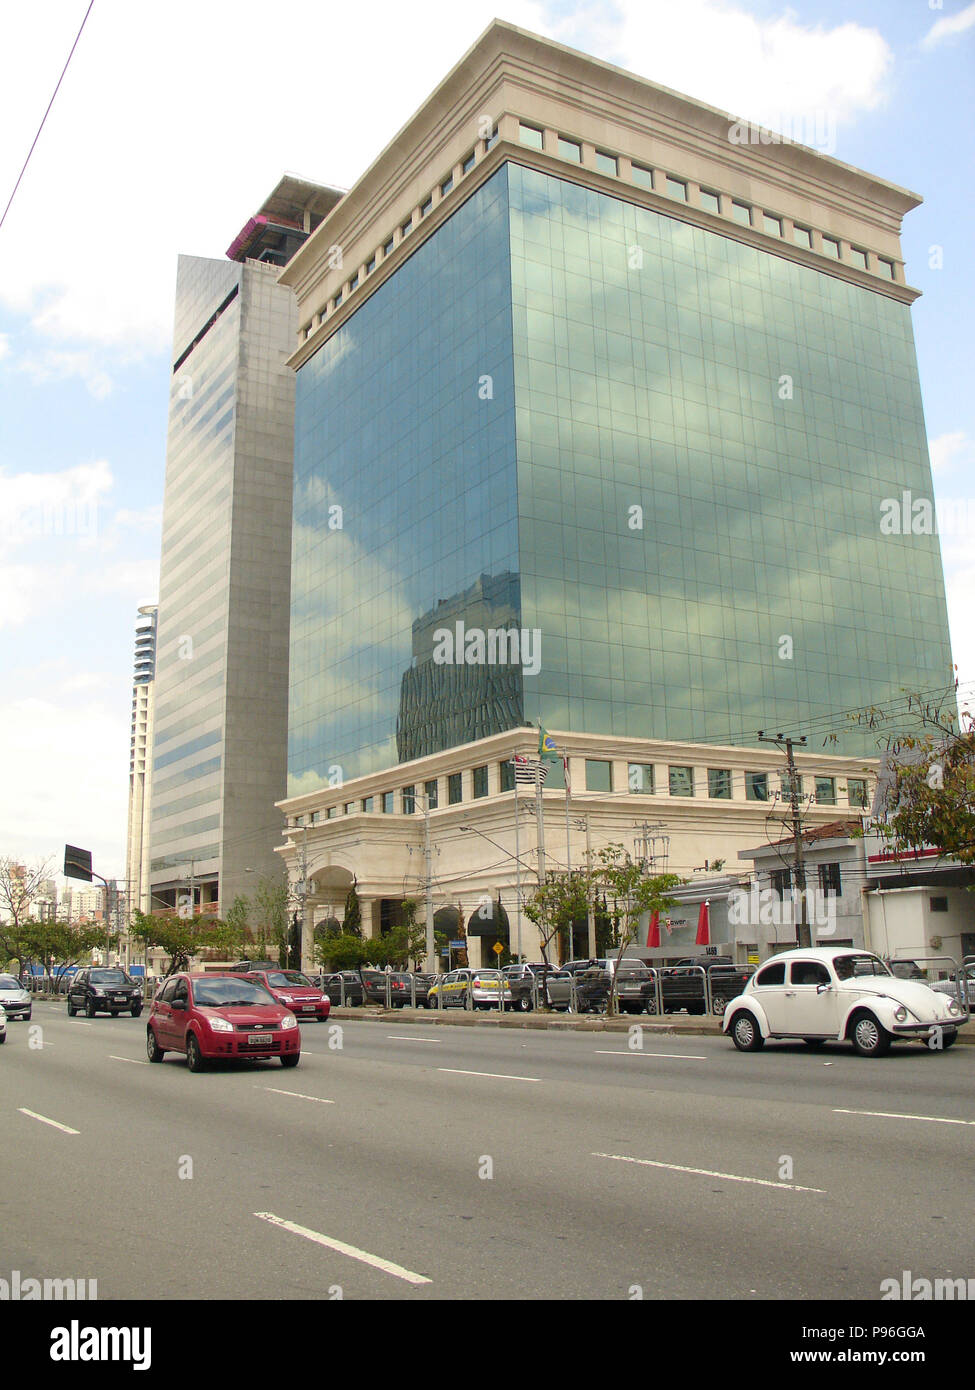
{"type": "Point", "coordinates": [425, 1162]}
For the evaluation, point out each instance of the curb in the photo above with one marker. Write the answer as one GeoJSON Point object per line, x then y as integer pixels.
{"type": "Point", "coordinates": [555, 1023]}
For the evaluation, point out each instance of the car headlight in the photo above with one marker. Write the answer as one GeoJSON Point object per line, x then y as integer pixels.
{"type": "Point", "coordinates": [900, 1013]}
{"type": "Point", "coordinates": [221, 1025]}
{"type": "Point", "coordinates": [286, 998]}
{"type": "Point", "coordinates": [953, 1007]}
{"type": "Point", "coordinates": [97, 989]}
{"type": "Point", "coordinates": [289, 1021]}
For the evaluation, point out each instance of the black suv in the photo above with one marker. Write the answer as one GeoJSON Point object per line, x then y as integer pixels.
{"type": "Point", "coordinates": [104, 990]}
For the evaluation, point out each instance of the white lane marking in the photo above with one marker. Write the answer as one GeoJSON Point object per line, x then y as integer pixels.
{"type": "Point", "coordinates": [136, 1061]}
{"type": "Point", "coordinates": [710, 1173]}
{"type": "Point", "coordinates": [499, 1075]}
{"type": "Point", "coordinates": [45, 1121]}
{"type": "Point", "coordinates": [340, 1246]}
{"type": "Point", "coordinates": [80, 1023]}
{"type": "Point", "coordinates": [680, 1056]}
{"type": "Point", "coordinates": [400, 1037]}
{"type": "Point", "coordinates": [893, 1115]}
{"type": "Point", "coordinates": [297, 1094]}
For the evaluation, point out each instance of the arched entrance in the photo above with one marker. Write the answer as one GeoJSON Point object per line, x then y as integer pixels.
{"type": "Point", "coordinates": [488, 927]}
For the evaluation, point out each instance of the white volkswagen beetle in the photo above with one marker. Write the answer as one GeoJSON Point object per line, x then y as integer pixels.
{"type": "Point", "coordinates": [835, 993]}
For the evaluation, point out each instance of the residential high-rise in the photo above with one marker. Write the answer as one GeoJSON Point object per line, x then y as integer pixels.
{"type": "Point", "coordinates": [219, 728]}
{"type": "Point", "coordinates": [590, 343]}
{"type": "Point", "coordinates": [140, 754]}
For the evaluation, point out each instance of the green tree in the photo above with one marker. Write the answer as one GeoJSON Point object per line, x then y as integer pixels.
{"type": "Point", "coordinates": [927, 778]}
{"type": "Point", "coordinates": [353, 913]}
{"type": "Point", "coordinates": [19, 886]}
{"type": "Point", "coordinates": [554, 905]}
{"type": "Point", "coordinates": [342, 952]}
{"type": "Point", "coordinates": [271, 909]}
{"type": "Point", "coordinates": [180, 938]}
{"type": "Point", "coordinates": [633, 892]}
{"type": "Point", "coordinates": [237, 926]}
{"type": "Point", "coordinates": [58, 945]}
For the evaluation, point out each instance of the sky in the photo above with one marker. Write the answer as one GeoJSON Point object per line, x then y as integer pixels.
{"type": "Point", "coordinates": [174, 122]}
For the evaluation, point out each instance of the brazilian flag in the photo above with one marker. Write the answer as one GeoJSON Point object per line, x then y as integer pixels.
{"type": "Point", "coordinates": [546, 747]}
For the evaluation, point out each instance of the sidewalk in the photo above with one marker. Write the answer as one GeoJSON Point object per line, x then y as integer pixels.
{"type": "Point", "coordinates": [673, 1025]}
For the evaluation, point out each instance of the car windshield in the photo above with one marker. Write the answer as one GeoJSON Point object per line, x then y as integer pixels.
{"type": "Point", "coordinates": [224, 994]}
{"type": "Point", "coordinates": [110, 977]}
{"type": "Point", "coordinates": [287, 977]}
{"type": "Point", "coordinates": [847, 967]}
{"type": "Point", "coordinates": [8, 982]}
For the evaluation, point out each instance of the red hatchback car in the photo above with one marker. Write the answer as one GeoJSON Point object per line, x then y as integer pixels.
{"type": "Point", "coordinates": [220, 1016]}
{"type": "Point", "coordinates": [295, 991]}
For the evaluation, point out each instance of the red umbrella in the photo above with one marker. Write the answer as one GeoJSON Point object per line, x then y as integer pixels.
{"type": "Point", "coordinates": [653, 931]}
{"type": "Point", "coordinates": [704, 925]}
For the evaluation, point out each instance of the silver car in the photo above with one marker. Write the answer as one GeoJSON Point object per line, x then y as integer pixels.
{"type": "Point", "coordinates": [954, 988]}
{"type": "Point", "coordinates": [14, 998]}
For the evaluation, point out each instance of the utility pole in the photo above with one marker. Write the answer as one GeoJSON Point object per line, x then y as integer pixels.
{"type": "Point", "coordinates": [431, 960]}
{"type": "Point", "coordinates": [304, 949]}
{"type": "Point", "coordinates": [803, 935]}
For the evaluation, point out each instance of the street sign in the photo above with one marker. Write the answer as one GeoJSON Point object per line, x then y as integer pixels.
{"type": "Point", "coordinates": [498, 949]}
{"type": "Point", "coordinates": [458, 945]}
{"type": "Point", "coordinates": [77, 863]}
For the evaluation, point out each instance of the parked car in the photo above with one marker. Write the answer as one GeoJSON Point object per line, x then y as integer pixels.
{"type": "Point", "coordinates": [295, 991]}
{"type": "Point", "coordinates": [527, 982]}
{"type": "Point", "coordinates": [825, 993]}
{"type": "Point", "coordinates": [244, 966]}
{"type": "Point", "coordinates": [468, 988]}
{"type": "Point", "coordinates": [220, 1016]}
{"type": "Point", "coordinates": [682, 985]}
{"type": "Point", "coordinates": [16, 1001]}
{"type": "Point", "coordinates": [906, 970]}
{"type": "Point", "coordinates": [3, 1025]}
{"type": "Point", "coordinates": [344, 987]}
{"type": "Point", "coordinates": [961, 990]}
{"type": "Point", "coordinates": [105, 990]}
{"type": "Point", "coordinates": [634, 987]}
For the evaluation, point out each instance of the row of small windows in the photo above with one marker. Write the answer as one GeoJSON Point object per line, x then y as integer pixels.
{"type": "Point", "coordinates": [709, 199]}
{"type": "Point", "coordinates": [641, 781]}
{"type": "Point", "coordinates": [405, 228]}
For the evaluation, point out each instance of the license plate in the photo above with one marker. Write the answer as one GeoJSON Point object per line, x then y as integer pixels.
{"type": "Point", "coordinates": [259, 1039]}
{"type": "Point", "coordinates": [308, 1008]}
{"type": "Point", "coordinates": [118, 998]}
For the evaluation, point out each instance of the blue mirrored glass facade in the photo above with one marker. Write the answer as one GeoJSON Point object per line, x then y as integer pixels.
{"type": "Point", "coordinates": [677, 481]}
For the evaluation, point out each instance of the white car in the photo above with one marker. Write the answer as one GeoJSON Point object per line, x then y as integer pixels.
{"type": "Point", "coordinates": [14, 998]}
{"type": "Point", "coordinates": [825, 994]}
{"type": "Point", "coordinates": [3, 1026]}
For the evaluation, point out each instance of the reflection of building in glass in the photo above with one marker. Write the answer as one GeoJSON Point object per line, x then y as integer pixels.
{"type": "Point", "coordinates": [664, 379]}
{"type": "Point", "coordinates": [441, 704]}
{"type": "Point", "coordinates": [219, 735]}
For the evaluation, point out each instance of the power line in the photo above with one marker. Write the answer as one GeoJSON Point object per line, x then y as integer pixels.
{"type": "Point", "coordinates": [46, 114]}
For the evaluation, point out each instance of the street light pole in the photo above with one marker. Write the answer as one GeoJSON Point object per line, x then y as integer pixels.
{"type": "Point", "coordinates": [803, 935]}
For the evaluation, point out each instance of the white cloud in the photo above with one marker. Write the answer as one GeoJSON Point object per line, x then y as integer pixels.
{"type": "Point", "coordinates": [4, 345]}
{"type": "Point", "coordinates": [949, 449]}
{"type": "Point", "coordinates": [51, 366]}
{"type": "Point", "coordinates": [775, 71]}
{"type": "Point", "coordinates": [61, 767]}
{"type": "Point", "coordinates": [64, 503]}
{"type": "Point", "coordinates": [109, 201]}
{"type": "Point", "coordinates": [949, 26]}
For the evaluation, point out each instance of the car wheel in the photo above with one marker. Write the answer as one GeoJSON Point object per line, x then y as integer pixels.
{"type": "Point", "coordinates": [90, 1009]}
{"type": "Point", "coordinates": [194, 1057]}
{"type": "Point", "coordinates": [137, 1012]}
{"type": "Point", "coordinates": [650, 1006]}
{"type": "Point", "coordinates": [869, 1038]}
{"type": "Point", "coordinates": [27, 1015]}
{"type": "Point", "coordinates": [745, 1033]}
{"type": "Point", "coordinates": [814, 1042]}
{"type": "Point", "coordinates": [695, 1008]}
{"type": "Point", "coordinates": [949, 1037]}
{"type": "Point", "coordinates": [719, 1005]}
{"type": "Point", "coordinates": [3, 1038]}
{"type": "Point", "coordinates": [71, 1009]}
{"type": "Point", "coordinates": [524, 1004]}
{"type": "Point", "coordinates": [153, 1051]}
{"type": "Point", "coordinates": [290, 1059]}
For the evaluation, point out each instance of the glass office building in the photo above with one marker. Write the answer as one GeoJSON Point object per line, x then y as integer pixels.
{"type": "Point", "coordinates": [659, 448]}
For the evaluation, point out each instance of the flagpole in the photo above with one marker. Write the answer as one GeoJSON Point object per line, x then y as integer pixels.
{"type": "Point", "coordinates": [517, 878]}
